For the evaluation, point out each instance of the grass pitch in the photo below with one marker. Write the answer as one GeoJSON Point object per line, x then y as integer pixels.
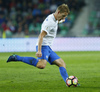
{"type": "Point", "coordinates": [21, 77]}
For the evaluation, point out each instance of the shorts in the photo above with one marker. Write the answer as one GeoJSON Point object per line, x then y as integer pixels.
{"type": "Point", "coordinates": [48, 54]}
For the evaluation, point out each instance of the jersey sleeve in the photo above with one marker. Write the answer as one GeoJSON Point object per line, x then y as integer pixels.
{"type": "Point", "coordinates": [46, 26]}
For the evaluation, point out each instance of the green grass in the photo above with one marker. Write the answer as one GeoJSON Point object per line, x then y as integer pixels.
{"type": "Point", "coordinates": [21, 77]}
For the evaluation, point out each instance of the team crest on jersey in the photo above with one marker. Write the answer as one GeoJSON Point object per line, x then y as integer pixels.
{"type": "Point", "coordinates": [46, 19]}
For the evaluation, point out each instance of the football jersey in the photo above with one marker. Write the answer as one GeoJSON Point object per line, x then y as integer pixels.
{"type": "Point", "coordinates": [50, 26]}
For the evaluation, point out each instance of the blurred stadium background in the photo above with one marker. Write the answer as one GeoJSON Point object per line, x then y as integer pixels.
{"type": "Point", "coordinates": [20, 23]}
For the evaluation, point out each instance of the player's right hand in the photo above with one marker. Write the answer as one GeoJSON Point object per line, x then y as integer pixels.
{"type": "Point", "coordinates": [38, 54]}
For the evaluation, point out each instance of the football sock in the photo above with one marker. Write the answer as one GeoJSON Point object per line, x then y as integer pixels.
{"type": "Point", "coordinates": [63, 73]}
{"type": "Point", "coordinates": [29, 60]}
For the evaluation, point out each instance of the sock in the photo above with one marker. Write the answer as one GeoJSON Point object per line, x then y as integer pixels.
{"type": "Point", "coordinates": [29, 60]}
{"type": "Point", "coordinates": [63, 73]}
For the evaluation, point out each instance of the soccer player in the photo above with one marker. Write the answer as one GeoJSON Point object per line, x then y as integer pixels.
{"type": "Point", "coordinates": [44, 52]}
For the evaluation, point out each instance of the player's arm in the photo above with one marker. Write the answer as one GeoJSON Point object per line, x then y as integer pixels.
{"type": "Point", "coordinates": [42, 34]}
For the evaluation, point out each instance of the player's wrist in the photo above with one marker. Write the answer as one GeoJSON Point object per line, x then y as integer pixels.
{"type": "Point", "coordinates": [39, 50]}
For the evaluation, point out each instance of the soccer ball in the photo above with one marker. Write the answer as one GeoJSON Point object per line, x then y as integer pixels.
{"type": "Point", "coordinates": [72, 80]}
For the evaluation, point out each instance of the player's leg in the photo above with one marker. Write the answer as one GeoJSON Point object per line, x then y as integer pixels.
{"type": "Point", "coordinates": [61, 64]}
{"type": "Point", "coordinates": [41, 63]}
{"type": "Point", "coordinates": [29, 60]}
{"type": "Point", "coordinates": [55, 59]}
{"type": "Point", "coordinates": [62, 68]}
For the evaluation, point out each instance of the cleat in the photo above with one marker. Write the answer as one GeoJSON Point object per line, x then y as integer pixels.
{"type": "Point", "coordinates": [12, 58]}
{"type": "Point", "coordinates": [78, 85]}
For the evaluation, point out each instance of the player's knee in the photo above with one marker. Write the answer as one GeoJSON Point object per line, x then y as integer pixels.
{"type": "Point", "coordinates": [41, 66]}
{"type": "Point", "coordinates": [61, 63]}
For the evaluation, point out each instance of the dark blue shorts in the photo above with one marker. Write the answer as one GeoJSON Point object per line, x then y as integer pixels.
{"type": "Point", "coordinates": [48, 54]}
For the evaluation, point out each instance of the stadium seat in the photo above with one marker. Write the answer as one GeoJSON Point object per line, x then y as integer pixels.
{"type": "Point", "coordinates": [72, 17]}
{"type": "Point", "coordinates": [85, 32]}
{"type": "Point", "coordinates": [8, 34]}
{"type": "Point", "coordinates": [63, 33]}
{"type": "Point", "coordinates": [96, 32]}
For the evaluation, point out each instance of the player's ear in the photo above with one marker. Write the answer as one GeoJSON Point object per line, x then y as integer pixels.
{"type": "Point", "coordinates": [58, 11]}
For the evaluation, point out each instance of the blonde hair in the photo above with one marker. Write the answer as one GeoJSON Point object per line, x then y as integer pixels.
{"type": "Point", "coordinates": [63, 8]}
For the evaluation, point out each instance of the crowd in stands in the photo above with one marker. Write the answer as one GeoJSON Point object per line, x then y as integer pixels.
{"type": "Point", "coordinates": [92, 28]}
{"type": "Point", "coordinates": [26, 16]}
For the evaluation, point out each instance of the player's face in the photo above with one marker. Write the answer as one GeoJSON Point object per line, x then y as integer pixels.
{"type": "Point", "coordinates": [61, 16]}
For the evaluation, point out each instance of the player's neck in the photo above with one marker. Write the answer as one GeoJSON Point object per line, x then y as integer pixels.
{"type": "Point", "coordinates": [55, 15]}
